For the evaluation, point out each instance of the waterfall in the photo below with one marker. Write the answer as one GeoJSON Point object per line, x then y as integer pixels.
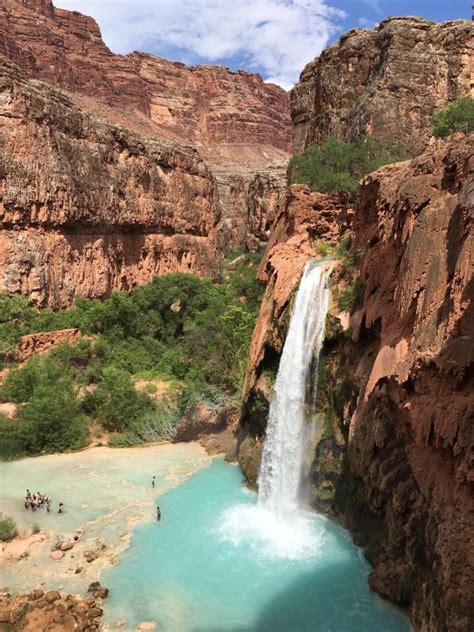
{"type": "Point", "coordinates": [283, 452]}
{"type": "Point", "coordinates": [275, 526]}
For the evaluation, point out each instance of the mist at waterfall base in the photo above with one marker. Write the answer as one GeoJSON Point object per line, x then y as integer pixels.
{"type": "Point", "coordinates": [223, 560]}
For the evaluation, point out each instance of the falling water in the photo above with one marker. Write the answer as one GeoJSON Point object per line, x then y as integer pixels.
{"type": "Point", "coordinates": [283, 452]}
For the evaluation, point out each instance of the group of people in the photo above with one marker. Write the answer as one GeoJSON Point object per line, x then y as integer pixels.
{"type": "Point", "coordinates": [38, 501]}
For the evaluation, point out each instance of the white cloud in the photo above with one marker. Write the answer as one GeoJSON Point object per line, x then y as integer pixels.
{"type": "Point", "coordinates": [275, 37]}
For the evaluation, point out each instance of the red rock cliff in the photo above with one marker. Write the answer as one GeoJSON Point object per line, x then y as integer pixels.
{"type": "Point", "coordinates": [239, 124]}
{"type": "Point", "coordinates": [387, 81]}
{"type": "Point", "coordinates": [401, 391]}
{"type": "Point", "coordinates": [88, 207]}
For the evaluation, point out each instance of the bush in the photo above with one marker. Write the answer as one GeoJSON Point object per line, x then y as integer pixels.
{"type": "Point", "coordinates": [337, 167]}
{"type": "Point", "coordinates": [349, 297]}
{"type": "Point", "coordinates": [116, 403]}
{"type": "Point", "coordinates": [51, 421]}
{"type": "Point", "coordinates": [458, 116]}
{"type": "Point", "coordinates": [8, 529]}
{"type": "Point", "coordinates": [20, 383]}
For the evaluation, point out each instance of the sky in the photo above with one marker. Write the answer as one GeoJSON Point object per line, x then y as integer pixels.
{"type": "Point", "coordinates": [275, 38]}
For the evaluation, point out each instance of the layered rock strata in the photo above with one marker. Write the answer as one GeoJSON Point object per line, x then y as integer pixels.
{"type": "Point", "coordinates": [387, 82]}
{"type": "Point", "coordinates": [88, 207]}
{"type": "Point", "coordinates": [395, 461]}
{"type": "Point", "coordinates": [239, 124]}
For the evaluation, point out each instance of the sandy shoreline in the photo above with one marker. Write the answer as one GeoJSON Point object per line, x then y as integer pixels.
{"type": "Point", "coordinates": [107, 492]}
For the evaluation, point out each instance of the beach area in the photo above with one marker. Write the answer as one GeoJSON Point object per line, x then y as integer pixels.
{"type": "Point", "coordinates": [106, 493]}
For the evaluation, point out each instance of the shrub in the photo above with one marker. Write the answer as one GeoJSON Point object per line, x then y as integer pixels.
{"type": "Point", "coordinates": [349, 297]}
{"type": "Point", "coordinates": [8, 529]}
{"type": "Point", "coordinates": [116, 403]}
{"type": "Point", "coordinates": [457, 116]}
{"type": "Point", "coordinates": [337, 167]}
{"type": "Point", "coordinates": [51, 421]}
{"type": "Point", "coordinates": [39, 371]}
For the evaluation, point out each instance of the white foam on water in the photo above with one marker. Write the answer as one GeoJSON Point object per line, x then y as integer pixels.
{"type": "Point", "coordinates": [295, 537]}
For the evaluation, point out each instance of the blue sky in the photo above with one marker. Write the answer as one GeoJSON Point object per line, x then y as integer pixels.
{"type": "Point", "coordinates": [273, 37]}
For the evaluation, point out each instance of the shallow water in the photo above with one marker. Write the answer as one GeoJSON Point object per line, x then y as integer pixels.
{"type": "Point", "coordinates": [215, 563]}
{"type": "Point", "coordinates": [106, 492]}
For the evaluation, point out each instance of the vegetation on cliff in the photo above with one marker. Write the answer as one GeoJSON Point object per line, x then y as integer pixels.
{"type": "Point", "coordinates": [458, 116]}
{"type": "Point", "coordinates": [337, 167]}
{"type": "Point", "coordinates": [184, 332]}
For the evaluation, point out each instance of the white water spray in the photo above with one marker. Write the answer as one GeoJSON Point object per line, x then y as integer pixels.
{"type": "Point", "coordinates": [276, 527]}
{"type": "Point", "coordinates": [283, 452]}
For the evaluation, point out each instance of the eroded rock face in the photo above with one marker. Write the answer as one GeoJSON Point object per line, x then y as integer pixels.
{"type": "Point", "coordinates": [411, 438]}
{"type": "Point", "coordinates": [387, 81]}
{"type": "Point", "coordinates": [401, 390]}
{"type": "Point", "coordinates": [239, 124]}
{"type": "Point", "coordinates": [88, 207]}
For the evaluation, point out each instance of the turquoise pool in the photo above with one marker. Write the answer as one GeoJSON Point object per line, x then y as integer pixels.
{"type": "Point", "coordinates": [209, 566]}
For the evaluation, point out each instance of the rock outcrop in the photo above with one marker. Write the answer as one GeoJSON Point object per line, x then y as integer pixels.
{"type": "Point", "coordinates": [411, 439]}
{"type": "Point", "coordinates": [400, 392]}
{"type": "Point", "coordinates": [51, 610]}
{"type": "Point", "coordinates": [239, 124]}
{"type": "Point", "coordinates": [387, 81]}
{"type": "Point", "coordinates": [88, 207]}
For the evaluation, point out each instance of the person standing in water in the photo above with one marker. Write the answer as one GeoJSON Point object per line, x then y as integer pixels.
{"type": "Point", "coordinates": [158, 514]}
{"type": "Point", "coordinates": [60, 508]}
{"type": "Point", "coordinates": [153, 482]}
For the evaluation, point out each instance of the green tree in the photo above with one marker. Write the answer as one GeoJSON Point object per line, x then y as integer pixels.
{"type": "Point", "coordinates": [337, 167]}
{"type": "Point", "coordinates": [39, 371]}
{"type": "Point", "coordinates": [116, 402]}
{"type": "Point", "coordinates": [51, 421]}
{"type": "Point", "coordinates": [457, 116]}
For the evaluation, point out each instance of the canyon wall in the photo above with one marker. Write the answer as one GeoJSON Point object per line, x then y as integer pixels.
{"type": "Point", "coordinates": [88, 207]}
{"type": "Point", "coordinates": [387, 81]}
{"type": "Point", "coordinates": [396, 397]}
{"type": "Point", "coordinates": [240, 125]}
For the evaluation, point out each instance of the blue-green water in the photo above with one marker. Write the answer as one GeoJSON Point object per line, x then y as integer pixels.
{"type": "Point", "coordinates": [207, 567]}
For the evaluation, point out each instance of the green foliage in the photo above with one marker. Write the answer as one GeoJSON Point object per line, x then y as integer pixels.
{"type": "Point", "coordinates": [20, 383]}
{"type": "Point", "coordinates": [323, 248]}
{"type": "Point", "coordinates": [337, 167]}
{"type": "Point", "coordinates": [178, 328]}
{"type": "Point", "coordinates": [349, 297]}
{"type": "Point", "coordinates": [155, 425]}
{"type": "Point", "coordinates": [458, 116]}
{"type": "Point", "coordinates": [8, 529]}
{"type": "Point", "coordinates": [51, 420]}
{"type": "Point", "coordinates": [116, 403]}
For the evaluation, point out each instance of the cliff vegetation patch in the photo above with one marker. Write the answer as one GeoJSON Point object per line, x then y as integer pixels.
{"type": "Point", "coordinates": [458, 116]}
{"type": "Point", "coordinates": [337, 167]}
